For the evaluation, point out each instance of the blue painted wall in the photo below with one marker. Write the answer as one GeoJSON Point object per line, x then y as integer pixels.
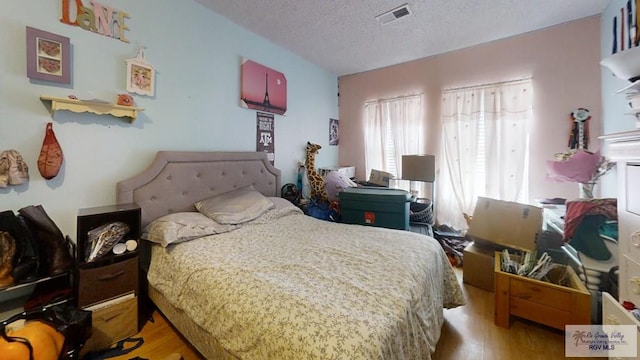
{"type": "Point", "coordinates": [197, 56]}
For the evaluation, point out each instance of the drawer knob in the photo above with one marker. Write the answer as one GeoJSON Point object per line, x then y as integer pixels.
{"type": "Point", "coordinates": [613, 320]}
{"type": "Point", "coordinates": [635, 282]}
{"type": "Point", "coordinates": [635, 238]}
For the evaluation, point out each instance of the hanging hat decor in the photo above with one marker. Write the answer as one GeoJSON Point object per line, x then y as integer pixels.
{"type": "Point", "coordinates": [50, 159]}
{"type": "Point", "coordinates": [13, 169]}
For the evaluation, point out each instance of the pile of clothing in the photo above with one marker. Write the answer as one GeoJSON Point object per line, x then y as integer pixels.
{"type": "Point", "coordinates": [588, 222]}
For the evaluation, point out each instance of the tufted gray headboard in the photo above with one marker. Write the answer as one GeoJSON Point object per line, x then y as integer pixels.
{"type": "Point", "coordinates": [177, 179]}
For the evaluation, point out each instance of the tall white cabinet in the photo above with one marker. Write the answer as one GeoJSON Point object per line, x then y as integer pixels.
{"type": "Point", "coordinates": [624, 149]}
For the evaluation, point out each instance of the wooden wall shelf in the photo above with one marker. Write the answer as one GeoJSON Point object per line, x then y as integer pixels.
{"type": "Point", "coordinates": [94, 107]}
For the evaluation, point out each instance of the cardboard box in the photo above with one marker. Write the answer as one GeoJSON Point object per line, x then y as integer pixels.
{"type": "Point", "coordinates": [497, 225]}
{"type": "Point", "coordinates": [347, 171]}
{"type": "Point", "coordinates": [544, 302]}
{"type": "Point", "coordinates": [380, 207]}
{"type": "Point", "coordinates": [508, 224]}
{"type": "Point", "coordinates": [477, 267]}
{"type": "Point", "coordinates": [381, 178]}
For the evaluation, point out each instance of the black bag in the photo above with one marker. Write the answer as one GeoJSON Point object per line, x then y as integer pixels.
{"type": "Point", "coordinates": [74, 324]}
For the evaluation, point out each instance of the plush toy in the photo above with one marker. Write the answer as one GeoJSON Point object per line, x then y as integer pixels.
{"type": "Point", "coordinates": [334, 182]}
{"type": "Point", "coordinates": [316, 181]}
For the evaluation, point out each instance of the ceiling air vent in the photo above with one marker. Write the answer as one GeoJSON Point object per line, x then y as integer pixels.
{"type": "Point", "coordinates": [393, 15]}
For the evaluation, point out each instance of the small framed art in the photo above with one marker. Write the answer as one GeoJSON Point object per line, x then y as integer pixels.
{"type": "Point", "coordinates": [141, 76]}
{"type": "Point", "coordinates": [48, 56]}
{"type": "Point", "coordinates": [334, 135]}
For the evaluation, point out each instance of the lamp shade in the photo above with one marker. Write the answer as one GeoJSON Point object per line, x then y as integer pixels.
{"type": "Point", "coordinates": [419, 168]}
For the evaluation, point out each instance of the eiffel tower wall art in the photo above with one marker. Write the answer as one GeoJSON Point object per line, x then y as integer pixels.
{"type": "Point", "coordinates": [262, 88]}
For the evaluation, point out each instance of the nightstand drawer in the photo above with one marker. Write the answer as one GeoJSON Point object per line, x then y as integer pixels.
{"type": "Point", "coordinates": [113, 323]}
{"type": "Point", "coordinates": [102, 283]}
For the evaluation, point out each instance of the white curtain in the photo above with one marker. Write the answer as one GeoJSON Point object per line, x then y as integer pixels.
{"type": "Point", "coordinates": [484, 147]}
{"type": "Point", "coordinates": [393, 127]}
{"type": "Point", "coordinates": [406, 127]}
{"type": "Point", "coordinates": [374, 139]}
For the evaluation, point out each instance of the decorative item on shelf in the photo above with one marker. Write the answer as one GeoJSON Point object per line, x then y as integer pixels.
{"type": "Point", "coordinates": [141, 77]}
{"type": "Point", "coordinates": [51, 157]}
{"type": "Point", "coordinates": [125, 100]}
{"type": "Point", "coordinates": [580, 166]}
{"type": "Point", "coordinates": [585, 190]}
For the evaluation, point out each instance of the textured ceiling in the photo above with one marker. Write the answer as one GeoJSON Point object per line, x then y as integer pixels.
{"type": "Point", "coordinates": [343, 37]}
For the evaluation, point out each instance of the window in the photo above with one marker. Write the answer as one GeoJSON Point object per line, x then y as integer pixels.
{"type": "Point", "coordinates": [485, 147]}
{"type": "Point", "coordinates": [393, 127]}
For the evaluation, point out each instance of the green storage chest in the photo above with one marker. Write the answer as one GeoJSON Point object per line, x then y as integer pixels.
{"type": "Point", "coordinates": [380, 207]}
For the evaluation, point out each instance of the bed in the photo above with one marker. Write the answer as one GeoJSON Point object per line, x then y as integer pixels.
{"type": "Point", "coordinates": [284, 285]}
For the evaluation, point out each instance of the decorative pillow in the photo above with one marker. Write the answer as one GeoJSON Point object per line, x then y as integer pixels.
{"type": "Point", "coordinates": [182, 226]}
{"type": "Point", "coordinates": [235, 207]}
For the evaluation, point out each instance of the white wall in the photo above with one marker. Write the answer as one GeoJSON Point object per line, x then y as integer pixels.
{"type": "Point", "coordinates": [197, 56]}
{"type": "Point", "coordinates": [614, 107]}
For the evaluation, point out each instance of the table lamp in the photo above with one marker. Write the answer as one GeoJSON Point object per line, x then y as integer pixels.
{"type": "Point", "coordinates": [419, 168]}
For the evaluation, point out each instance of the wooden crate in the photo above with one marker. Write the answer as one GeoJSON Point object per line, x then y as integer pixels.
{"type": "Point", "coordinates": [540, 301]}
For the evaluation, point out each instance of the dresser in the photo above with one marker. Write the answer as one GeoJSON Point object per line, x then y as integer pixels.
{"type": "Point", "coordinates": [624, 149]}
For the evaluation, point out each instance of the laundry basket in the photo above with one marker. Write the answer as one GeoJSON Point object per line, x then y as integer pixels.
{"type": "Point", "coordinates": [421, 212]}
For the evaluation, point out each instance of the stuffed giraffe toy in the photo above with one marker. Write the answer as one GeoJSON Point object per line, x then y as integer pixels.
{"type": "Point", "coordinates": [316, 182]}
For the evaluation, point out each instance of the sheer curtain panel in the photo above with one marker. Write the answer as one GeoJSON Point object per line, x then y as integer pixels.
{"type": "Point", "coordinates": [393, 127]}
{"type": "Point", "coordinates": [485, 147]}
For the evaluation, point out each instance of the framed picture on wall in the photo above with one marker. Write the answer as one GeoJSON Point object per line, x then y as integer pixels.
{"type": "Point", "coordinates": [141, 76]}
{"type": "Point", "coordinates": [262, 88]}
{"type": "Point", "coordinates": [48, 56]}
{"type": "Point", "coordinates": [334, 135]}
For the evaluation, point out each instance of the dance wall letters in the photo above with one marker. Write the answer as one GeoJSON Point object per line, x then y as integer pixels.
{"type": "Point", "coordinates": [98, 18]}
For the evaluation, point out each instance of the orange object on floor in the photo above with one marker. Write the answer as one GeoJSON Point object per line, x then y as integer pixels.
{"type": "Point", "coordinates": [45, 341]}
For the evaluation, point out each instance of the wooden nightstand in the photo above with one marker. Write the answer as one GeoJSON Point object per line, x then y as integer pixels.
{"type": "Point", "coordinates": [109, 284]}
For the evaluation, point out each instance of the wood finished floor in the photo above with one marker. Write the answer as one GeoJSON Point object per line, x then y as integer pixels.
{"type": "Point", "coordinates": [468, 333]}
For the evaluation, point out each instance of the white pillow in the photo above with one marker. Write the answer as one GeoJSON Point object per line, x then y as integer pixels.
{"type": "Point", "coordinates": [280, 203]}
{"type": "Point", "coordinates": [182, 226]}
{"type": "Point", "coordinates": [235, 207]}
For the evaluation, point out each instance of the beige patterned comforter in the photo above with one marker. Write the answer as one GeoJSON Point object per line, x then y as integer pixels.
{"type": "Point", "coordinates": [288, 286]}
